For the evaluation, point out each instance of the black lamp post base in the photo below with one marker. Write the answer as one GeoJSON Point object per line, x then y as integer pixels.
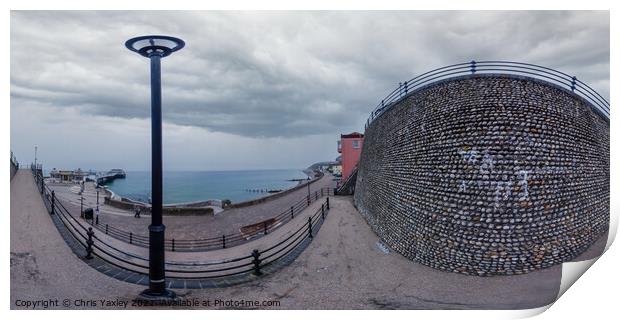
{"type": "Point", "coordinates": [157, 297]}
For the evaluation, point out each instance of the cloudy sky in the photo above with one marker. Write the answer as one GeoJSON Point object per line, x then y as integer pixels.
{"type": "Point", "coordinates": [254, 90]}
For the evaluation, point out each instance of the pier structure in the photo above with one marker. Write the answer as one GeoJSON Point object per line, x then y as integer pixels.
{"type": "Point", "coordinates": [110, 176]}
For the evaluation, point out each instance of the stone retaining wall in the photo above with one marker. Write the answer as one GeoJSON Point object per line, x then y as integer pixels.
{"type": "Point", "coordinates": [167, 211]}
{"type": "Point", "coordinates": [487, 175]}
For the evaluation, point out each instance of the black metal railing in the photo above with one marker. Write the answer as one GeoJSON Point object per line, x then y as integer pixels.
{"type": "Point", "coordinates": [14, 160]}
{"type": "Point", "coordinates": [221, 241]}
{"type": "Point", "coordinates": [348, 186]}
{"type": "Point", "coordinates": [549, 75]}
{"type": "Point", "coordinates": [14, 165]}
{"type": "Point", "coordinates": [254, 262]}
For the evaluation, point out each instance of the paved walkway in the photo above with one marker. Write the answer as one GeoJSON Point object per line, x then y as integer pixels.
{"type": "Point", "coordinates": [344, 267]}
{"type": "Point", "coordinates": [190, 227]}
{"type": "Point", "coordinates": [42, 265]}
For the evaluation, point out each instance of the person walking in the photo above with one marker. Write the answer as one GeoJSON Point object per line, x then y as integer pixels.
{"type": "Point", "coordinates": [136, 211]}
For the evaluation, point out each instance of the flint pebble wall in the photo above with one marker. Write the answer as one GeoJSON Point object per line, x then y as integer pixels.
{"type": "Point", "coordinates": [487, 175]}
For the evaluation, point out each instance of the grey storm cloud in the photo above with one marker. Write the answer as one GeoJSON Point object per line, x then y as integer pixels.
{"type": "Point", "coordinates": [280, 74]}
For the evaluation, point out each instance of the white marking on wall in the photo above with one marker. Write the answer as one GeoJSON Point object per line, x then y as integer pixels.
{"type": "Point", "coordinates": [523, 184]}
{"type": "Point", "coordinates": [487, 163]}
{"type": "Point", "coordinates": [503, 191]}
{"type": "Point", "coordinates": [462, 187]}
{"type": "Point", "coordinates": [470, 156]}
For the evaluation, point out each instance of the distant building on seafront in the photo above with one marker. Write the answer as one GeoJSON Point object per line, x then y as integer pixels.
{"type": "Point", "coordinates": [336, 170]}
{"type": "Point", "coordinates": [350, 146]}
{"type": "Point", "coordinates": [68, 176]}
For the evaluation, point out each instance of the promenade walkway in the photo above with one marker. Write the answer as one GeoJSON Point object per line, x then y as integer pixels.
{"type": "Point", "coordinates": [191, 227]}
{"type": "Point", "coordinates": [344, 267]}
{"type": "Point", "coordinates": [42, 265]}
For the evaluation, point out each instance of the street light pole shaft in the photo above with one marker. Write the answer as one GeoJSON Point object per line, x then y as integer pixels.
{"type": "Point", "coordinates": [156, 47]}
{"type": "Point", "coordinates": [157, 276]}
{"type": "Point", "coordinates": [156, 140]}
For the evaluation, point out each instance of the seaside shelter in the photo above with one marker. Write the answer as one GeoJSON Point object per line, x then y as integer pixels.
{"type": "Point", "coordinates": [68, 176]}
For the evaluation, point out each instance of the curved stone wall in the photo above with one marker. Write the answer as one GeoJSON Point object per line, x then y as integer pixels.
{"type": "Point", "coordinates": [487, 175]}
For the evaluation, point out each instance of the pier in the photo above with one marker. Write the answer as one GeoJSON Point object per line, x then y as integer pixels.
{"type": "Point", "coordinates": [110, 176]}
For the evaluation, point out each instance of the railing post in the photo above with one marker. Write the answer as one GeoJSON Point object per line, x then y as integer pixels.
{"type": "Point", "coordinates": [256, 261]}
{"type": "Point", "coordinates": [327, 203]}
{"type": "Point", "coordinates": [292, 213]}
{"type": "Point", "coordinates": [130, 237]}
{"type": "Point", "coordinates": [310, 227]}
{"type": "Point", "coordinates": [321, 192]}
{"type": "Point", "coordinates": [406, 87]}
{"type": "Point", "coordinates": [172, 244]}
{"type": "Point", "coordinates": [42, 189]}
{"type": "Point", "coordinates": [573, 84]}
{"type": "Point", "coordinates": [265, 227]}
{"type": "Point", "coordinates": [322, 211]}
{"type": "Point", "coordinates": [106, 228]}
{"type": "Point", "coordinates": [308, 199]}
{"type": "Point", "coordinates": [89, 243]}
{"type": "Point", "coordinates": [472, 67]}
{"type": "Point", "coordinates": [53, 201]}
{"type": "Point", "coordinates": [316, 195]}
{"type": "Point", "coordinates": [224, 241]}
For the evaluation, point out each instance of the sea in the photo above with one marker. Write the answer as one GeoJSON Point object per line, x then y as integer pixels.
{"type": "Point", "coordinates": [191, 186]}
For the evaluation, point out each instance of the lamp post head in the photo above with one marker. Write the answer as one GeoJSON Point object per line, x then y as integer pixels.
{"type": "Point", "coordinates": [148, 46]}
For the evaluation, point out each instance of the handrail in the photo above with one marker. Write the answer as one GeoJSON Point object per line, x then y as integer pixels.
{"type": "Point", "coordinates": [563, 80]}
{"type": "Point", "coordinates": [14, 161]}
{"type": "Point", "coordinates": [107, 252]}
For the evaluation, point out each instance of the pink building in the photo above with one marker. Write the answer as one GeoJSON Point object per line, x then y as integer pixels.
{"type": "Point", "coordinates": [350, 146]}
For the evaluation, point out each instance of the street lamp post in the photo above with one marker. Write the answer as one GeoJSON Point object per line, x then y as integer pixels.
{"type": "Point", "coordinates": [97, 212]}
{"type": "Point", "coordinates": [308, 183]}
{"type": "Point", "coordinates": [156, 47]}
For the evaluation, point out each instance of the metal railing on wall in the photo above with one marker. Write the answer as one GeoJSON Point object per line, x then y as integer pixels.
{"type": "Point", "coordinates": [254, 262]}
{"type": "Point", "coordinates": [549, 75]}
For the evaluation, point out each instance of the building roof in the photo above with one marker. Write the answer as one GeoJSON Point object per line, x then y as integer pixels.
{"type": "Point", "coordinates": [77, 172]}
{"type": "Point", "coordinates": [352, 135]}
